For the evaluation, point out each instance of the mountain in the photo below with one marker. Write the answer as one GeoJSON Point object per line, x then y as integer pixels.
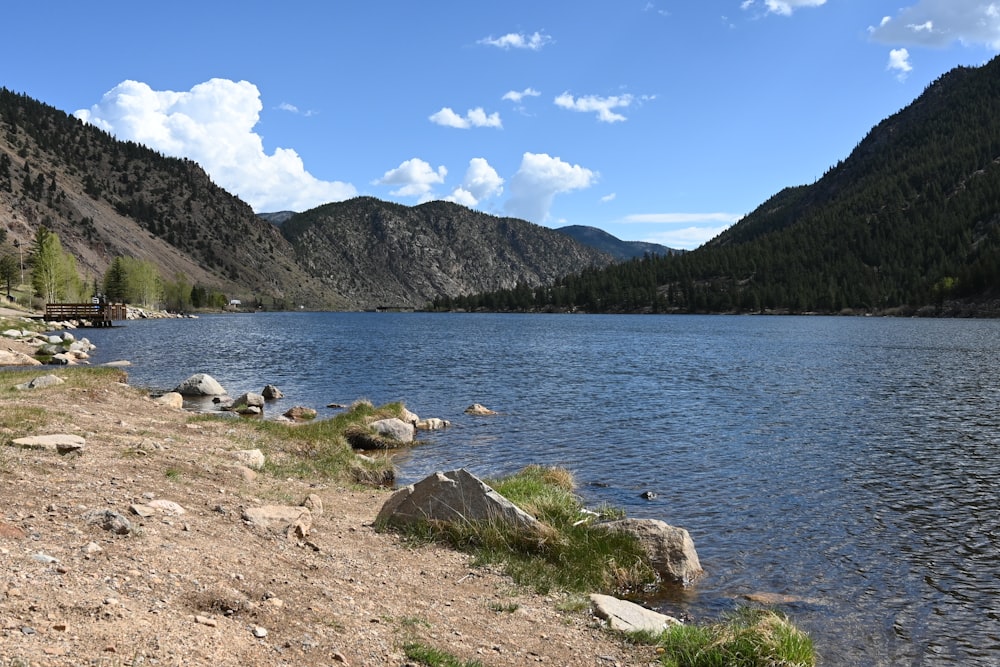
{"type": "Point", "coordinates": [398, 256]}
{"type": "Point", "coordinates": [106, 198]}
{"type": "Point", "coordinates": [909, 222]}
{"type": "Point", "coordinates": [612, 245]}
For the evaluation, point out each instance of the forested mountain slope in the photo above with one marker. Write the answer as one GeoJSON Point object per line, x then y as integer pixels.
{"type": "Point", "coordinates": [909, 222]}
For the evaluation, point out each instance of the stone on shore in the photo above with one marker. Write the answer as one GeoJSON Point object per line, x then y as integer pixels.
{"type": "Point", "coordinates": [670, 549]}
{"type": "Point", "coordinates": [40, 382]}
{"type": "Point", "coordinates": [200, 384]}
{"type": "Point", "coordinates": [171, 399]}
{"type": "Point", "coordinates": [627, 616]}
{"type": "Point", "coordinates": [300, 413]}
{"type": "Point", "coordinates": [271, 393]}
{"type": "Point", "coordinates": [282, 519]}
{"type": "Point", "coordinates": [452, 496]}
{"type": "Point", "coordinates": [64, 443]}
{"type": "Point", "coordinates": [251, 458]}
{"type": "Point", "coordinates": [11, 358]}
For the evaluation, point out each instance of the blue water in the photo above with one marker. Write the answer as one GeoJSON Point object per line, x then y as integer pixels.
{"type": "Point", "coordinates": [851, 463]}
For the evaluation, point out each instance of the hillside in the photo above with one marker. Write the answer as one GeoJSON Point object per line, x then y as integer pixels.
{"type": "Point", "coordinates": [909, 222]}
{"type": "Point", "coordinates": [399, 256]}
{"type": "Point", "coordinates": [612, 245]}
{"type": "Point", "coordinates": [106, 198]}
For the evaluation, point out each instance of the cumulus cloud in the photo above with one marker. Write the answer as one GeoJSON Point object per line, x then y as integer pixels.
{"type": "Point", "coordinates": [538, 180]}
{"type": "Point", "coordinates": [782, 7]}
{"type": "Point", "coordinates": [414, 178]}
{"type": "Point", "coordinates": [473, 118]}
{"type": "Point", "coordinates": [481, 182]}
{"type": "Point", "coordinates": [212, 124]}
{"type": "Point", "coordinates": [942, 22]}
{"type": "Point", "coordinates": [899, 62]}
{"type": "Point", "coordinates": [602, 106]}
{"type": "Point", "coordinates": [516, 40]}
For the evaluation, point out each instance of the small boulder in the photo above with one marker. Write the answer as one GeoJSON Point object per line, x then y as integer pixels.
{"type": "Point", "coordinates": [40, 382]}
{"type": "Point", "coordinates": [251, 458]}
{"type": "Point", "coordinates": [670, 549]}
{"type": "Point", "coordinates": [200, 384]}
{"type": "Point", "coordinates": [247, 400]}
{"type": "Point", "coordinates": [300, 413]}
{"type": "Point", "coordinates": [284, 519]}
{"type": "Point", "coordinates": [394, 428]}
{"type": "Point", "coordinates": [270, 393]}
{"type": "Point", "coordinates": [478, 410]}
{"type": "Point", "coordinates": [63, 443]}
{"type": "Point", "coordinates": [432, 424]}
{"type": "Point", "coordinates": [109, 520]}
{"type": "Point", "coordinates": [11, 358]}
{"type": "Point", "coordinates": [453, 496]}
{"type": "Point", "coordinates": [171, 399]}
{"type": "Point", "coordinates": [627, 616]}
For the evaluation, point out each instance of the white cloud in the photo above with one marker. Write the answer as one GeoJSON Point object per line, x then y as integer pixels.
{"type": "Point", "coordinates": [942, 22]}
{"type": "Point", "coordinates": [473, 118]}
{"type": "Point", "coordinates": [415, 178]}
{"type": "Point", "coordinates": [212, 124]}
{"type": "Point", "coordinates": [899, 62]}
{"type": "Point", "coordinates": [698, 227]}
{"type": "Point", "coordinates": [609, 197]}
{"type": "Point", "coordinates": [517, 96]}
{"type": "Point", "coordinates": [514, 40]}
{"type": "Point", "coordinates": [783, 7]}
{"type": "Point", "coordinates": [481, 182]}
{"type": "Point", "coordinates": [538, 180]}
{"type": "Point", "coordinates": [601, 105]}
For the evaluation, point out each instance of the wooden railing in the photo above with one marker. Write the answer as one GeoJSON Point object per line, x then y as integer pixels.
{"type": "Point", "coordinates": [91, 314]}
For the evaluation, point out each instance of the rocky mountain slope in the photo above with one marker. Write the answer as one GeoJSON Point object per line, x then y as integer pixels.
{"type": "Point", "coordinates": [106, 198]}
{"type": "Point", "coordinates": [605, 242]}
{"type": "Point", "coordinates": [387, 255]}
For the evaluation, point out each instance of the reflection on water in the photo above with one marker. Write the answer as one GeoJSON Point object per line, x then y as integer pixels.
{"type": "Point", "coordinates": [848, 463]}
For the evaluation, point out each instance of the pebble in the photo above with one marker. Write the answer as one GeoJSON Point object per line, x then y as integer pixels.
{"type": "Point", "coordinates": [259, 632]}
{"type": "Point", "coordinates": [204, 620]}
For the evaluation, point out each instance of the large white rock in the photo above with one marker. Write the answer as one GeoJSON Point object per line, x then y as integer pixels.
{"type": "Point", "coordinates": [394, 428]}
{"type": "Point", "coordinates": [9, 358]}
{"type": "Point", "coordinates": [64, 443]}
{"type": "Point", "coordinates": [626, 616]}
{"type": "Point", "coordinates": [457, 495]}
{"type": "Point", "coordinates": [200, 384]}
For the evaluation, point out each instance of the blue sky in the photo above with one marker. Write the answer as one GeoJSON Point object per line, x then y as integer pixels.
{"type": "Point", "coordinates": [655, 120]}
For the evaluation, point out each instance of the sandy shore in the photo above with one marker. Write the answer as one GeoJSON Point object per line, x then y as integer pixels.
{"type": "Point", "coordinates": [203, 587]}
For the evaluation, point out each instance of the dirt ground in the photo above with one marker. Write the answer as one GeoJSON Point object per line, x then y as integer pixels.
{"type": "Point", "coordinates": [204, 588]}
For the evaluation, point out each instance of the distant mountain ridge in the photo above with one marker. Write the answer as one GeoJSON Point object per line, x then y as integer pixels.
{"type": "Point", "coordinates": [605, 242]}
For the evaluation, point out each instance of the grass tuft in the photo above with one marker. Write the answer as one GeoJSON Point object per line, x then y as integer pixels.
{"type": "Point", "coordinates": [432, 657]}
{"type": "Point", "coordinates": [748, 637]}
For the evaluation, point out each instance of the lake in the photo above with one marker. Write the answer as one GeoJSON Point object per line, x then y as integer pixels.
{"type": "Point", "coordinates": [851, 463]}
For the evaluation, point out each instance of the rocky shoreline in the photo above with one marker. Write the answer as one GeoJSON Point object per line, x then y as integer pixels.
{"type": "Point", "coordinates": [200, 575]}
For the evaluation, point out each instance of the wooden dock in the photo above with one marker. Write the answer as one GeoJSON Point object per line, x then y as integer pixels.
{"type": "Point", "coordinates": [88, 314]}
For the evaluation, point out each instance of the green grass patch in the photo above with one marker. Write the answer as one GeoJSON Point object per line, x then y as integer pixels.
{"type": "Point", "coordinates": [319, 449]}
{"type": "Point", "coordinates": [748, 637]}
{"type": "Point", "coordinates": [569, 554]}
{"type": "Point", "coordinates": [432, 657]}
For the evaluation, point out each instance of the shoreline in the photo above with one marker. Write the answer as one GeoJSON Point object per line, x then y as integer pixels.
{"type": "Point", "coordinates": [197, 588]}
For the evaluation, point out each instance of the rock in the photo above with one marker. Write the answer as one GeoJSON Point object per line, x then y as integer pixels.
{"type": "Point", "coordinates": [251, 458]}
{"type": "Point", "coordinates": [300, 413]}
{"type": "Point", "coordinates": [259, 632]}
{"type": "Point", "coordinates": [409, 417]}
{"type": "Point", "coordinates": [64, 443]}
{"type": "Point", "coordinates": [142, 511]}
{"type": "Point", "coordinates": [171, 399]}
{"type": "Point", "coordinates": [9, 531]}
{"type": "Point", "coordinates": [246, 401]}
{"type": "Point", "coordinates": [41, 382]}
{"type": "Point", "coordinates": [11, 358]}
{"type": "Point", "coordinates": [670, 549]}
{"type": "Point", "coordinates": [119, 363]}
{"type": "Point", "coordinates": [627, 616]}
{"type": "Point", "coordinates": [62, 359]}
{"type": "Point", "coordinates": [394, 428]}
{"type": "Point", "coordinates": [292, 521]}
{"type": "Point", "coordinates": [478, 410]}
{"type": "Point", "coordinates": [245, 473]}
{"type": "Point", "coordinates": [200, 384]}
{"type": "Point", "coordinates": [457, 495]}
{"type": "Point", "coordinates": [432, 424]}
{"type": "Point", "coordinates": [204, 620]}
{"type": "Point", "coordinates": [109, 520]}
{"type": "Point", "coordinates": [270, 393]}
{"type": "Point", "coordinates": [314, 504]}
{"type": "Point", "coordinates": [648, 495]}
{"type": "Point", "coordinates": [167, 507]}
